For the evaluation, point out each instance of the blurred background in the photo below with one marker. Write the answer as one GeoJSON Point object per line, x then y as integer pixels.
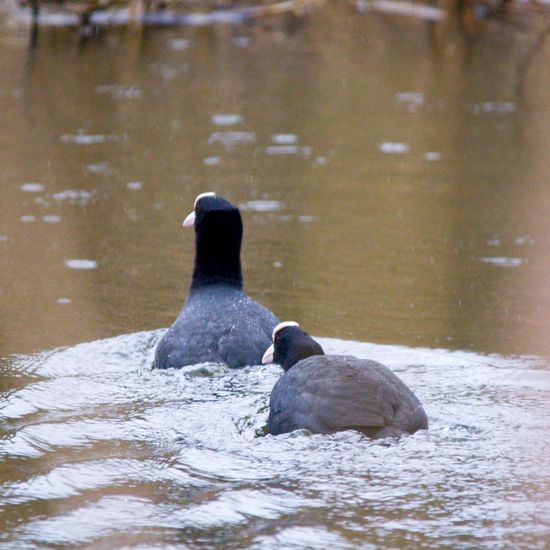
{"type": "Point", "coordinates": [390, 160]}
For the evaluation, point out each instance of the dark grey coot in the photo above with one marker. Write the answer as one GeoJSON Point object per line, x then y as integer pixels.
{"type": "Point", "coordinates": [219, 322]}
{"type": "Point", "coordinates": [329, 393]}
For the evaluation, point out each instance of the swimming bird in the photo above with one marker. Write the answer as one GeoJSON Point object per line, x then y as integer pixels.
{"type": "Point", "coordinates": [219, 322]}
{"type": "Point", "coordinates": [329, 393]}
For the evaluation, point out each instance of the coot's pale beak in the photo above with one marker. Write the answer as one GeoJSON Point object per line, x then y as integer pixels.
{"type": "Point", "coordinates": [190, 220]}
{"type": "Point", "coordinates": [268, 355]}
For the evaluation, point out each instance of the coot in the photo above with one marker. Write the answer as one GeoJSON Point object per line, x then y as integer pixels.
{"type": "Point", "coordinates": [326, 394]}
{"type": "Point", "coordinates": [219, 322]}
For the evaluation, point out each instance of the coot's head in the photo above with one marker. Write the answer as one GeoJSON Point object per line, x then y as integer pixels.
{"type": "Point", "coordinates": [290, 345]}
{"type": "Point", "coordinates": [218, 236]}
{"type": "Point", "coordinates": [211, 212]}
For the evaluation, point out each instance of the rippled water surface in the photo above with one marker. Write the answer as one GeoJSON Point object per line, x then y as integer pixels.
{"type": "Point", "coordinates": [99, 449]}
{"type": "Point", "coordinates": [393, 176]}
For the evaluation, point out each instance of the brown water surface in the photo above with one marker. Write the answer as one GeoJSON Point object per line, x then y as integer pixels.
{"type": "Point", "coordinates": [394, 179]}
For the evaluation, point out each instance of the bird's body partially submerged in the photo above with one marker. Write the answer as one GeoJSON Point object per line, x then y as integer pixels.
{"type": "Point", "coordinates": [326, 394]}
{"type": "Point", "coordinates": [218, 322]}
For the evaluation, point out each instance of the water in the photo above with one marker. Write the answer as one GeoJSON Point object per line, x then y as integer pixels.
{"type": "Point", "coordinates": [100, 449]}
{"type": "Point", "coordinates": [393, 178]}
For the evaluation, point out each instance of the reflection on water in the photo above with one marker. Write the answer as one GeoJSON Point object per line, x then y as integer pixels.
{"type": "Point", "coordinates": [393, 179]}
{"type": "Point", "coordinates": [97, 448]}
{"type": "Point", "coordinates": [393, 170]}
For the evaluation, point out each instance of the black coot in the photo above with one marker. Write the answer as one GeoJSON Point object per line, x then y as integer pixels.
{"type": "Point", "coordinates": [326, 394]}
{"type": "Point", "coordinates": [219, 322]}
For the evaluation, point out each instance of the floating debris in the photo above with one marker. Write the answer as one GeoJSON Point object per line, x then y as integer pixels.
{"type": "Point", "coordinates": [321, 161]}
{"type": "Point", "coordinates": [502, 261]}
{"type": "Point", "coordinates": [32, 187]}
{"type": "Point", "coordinates": [277, 264]}
{"type": "Point", "coordinates": [393, 148]}
{"type": "Point", "coordinates": [81, 264]}
{"type": "Point", "coordinates": [63, 301]}
{"type": "Point", "coordinates": [27, 218]}
{"type": "Point", "coordinates": [134, 185]}
{"type": "Point", "coordinates": [307, 219]}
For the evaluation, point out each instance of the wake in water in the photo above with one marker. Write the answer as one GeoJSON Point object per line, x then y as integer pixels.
{"type": "Point", "coordinates": [98, 448]}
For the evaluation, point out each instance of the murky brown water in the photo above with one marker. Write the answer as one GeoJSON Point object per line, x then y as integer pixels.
{"type": "Point", "coordinates": [394, 180]}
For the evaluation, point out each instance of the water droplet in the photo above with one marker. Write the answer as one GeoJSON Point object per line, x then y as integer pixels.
{"type": "Point", "coordinates": [284, 139]}
{"type": "Point", "coordinates": [32, 187]}
{"type": "Point", "coordinates": [502, 261]}
{"type": "Point", "coordinates": [228, 119]}
{"type": "Point", "coordinates": [51, 218]}
{"type": "Point", "coordinates": [81, 264]}
{"type": "Point", "coordinates": [262, 205]}
{"type": "Point", "coordinates": [394, 148]}
{"type": "Point", "coordinates": [432, 156]}
{"type": "Point", "coordinates": [211, 161]}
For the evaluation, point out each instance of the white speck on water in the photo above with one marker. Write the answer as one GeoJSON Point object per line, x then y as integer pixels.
{"type": "Point", "coordinates": [81, 264]}
{"type": "Point", "coordinates": [282, 150]}
{"type": "Point", "coordinates": [99, 168]}
{"type": "Point", "coordinates": [494, 241]}
{"type": "Point", "coordinates": [179, 44]}
{"type": "Point", "coordinates": [284, 139]}
{"type": "Point", "coordinates": [63, 301]}
{"type": "Point", "coordinates": [3, 238]}
{"type": "Point", "coordinates": [305, 218]}
{"type": "Point", "coordinates": [262, 205]}
{"type": "Point", "coordinates": [432, 156]}
{"type": "Point", "coordinates": [74, 196]}
{"type": "Point", "coordinates": [242, 41]}
{"type": "Point", "coordinates": [51, 218]}
{"type": "Point", "coordinates": [393, 148]}
{"type": "Point", "coordinates": [321, 161]}
{"type": "Point", "coordinates": [27, 218]}
{"type": "Point", "coordinates": [415, 98]}
{"type": "Point", "coordinates": [498, 107]}
{"type": "Point", "coordinates": [277, 264]}
{"type": "Point", "coordinates": [226, 119]}
{"type": "Point", "coordinates": [134, 185]}
{"type": "Point", "coordinates": [89, 139]}
{"type": "Point", "coordinates": [211, 161]}
{"type": "Point", "coordinates": [32, 187]}
{"type": "Point", "coordinates": [228, 139]}
{"type": "Point", "coordinates": [119, 91]}
{"type": "Point", "coordinates": [502, 261]}
{"type": "Point", "coordinates": [524, 240]}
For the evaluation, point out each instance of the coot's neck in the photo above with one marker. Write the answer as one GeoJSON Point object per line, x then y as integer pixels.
{"type": "Point", "coordinates": [217, 259]}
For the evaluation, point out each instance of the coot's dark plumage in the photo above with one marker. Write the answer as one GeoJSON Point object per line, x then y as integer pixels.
{"type": "Point", "coordinates": [218, 322]}
{"type": "Point", "coordinates": [326, 394]}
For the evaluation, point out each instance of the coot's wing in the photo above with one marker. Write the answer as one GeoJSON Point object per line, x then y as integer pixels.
{"type": "Point", "coordinates": [248, 334]}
